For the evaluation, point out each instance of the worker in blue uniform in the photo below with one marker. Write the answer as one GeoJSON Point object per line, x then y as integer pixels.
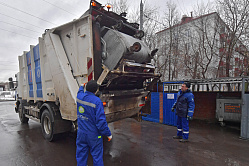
{"type": "Point", "coordinates": [184, 106]}
{"type": "Point", "coordinates": [92, 125]}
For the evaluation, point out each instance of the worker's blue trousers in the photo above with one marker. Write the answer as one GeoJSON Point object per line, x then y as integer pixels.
{"type": "Point", "coordinates": [182, 127]}
{"type": "Point", "coordinates": [85, 143]}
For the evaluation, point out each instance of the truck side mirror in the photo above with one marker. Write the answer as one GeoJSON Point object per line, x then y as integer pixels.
{"type": "Point", "coordinates": [11, 84]}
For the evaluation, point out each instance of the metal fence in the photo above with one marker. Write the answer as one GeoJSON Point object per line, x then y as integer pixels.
{"type": "Point", "coordinates": [161, 106]}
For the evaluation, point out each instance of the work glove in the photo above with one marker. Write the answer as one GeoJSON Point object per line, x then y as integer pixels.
{"type": "Point", "coordinates": [109, 138]}
{"type": "Point", "coordinates": [189, 117]}
{"type": "Point", "coordinates": [173, 109]}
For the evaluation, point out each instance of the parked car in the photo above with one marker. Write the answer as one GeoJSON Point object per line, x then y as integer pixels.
{"type": "Point", "coordinates": [7, 95]}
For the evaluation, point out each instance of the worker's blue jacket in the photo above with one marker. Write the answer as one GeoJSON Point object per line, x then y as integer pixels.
{"type": "Point", "coordinates": [91, 115]}
{"type": "Point", "coordinates": [185, 104]}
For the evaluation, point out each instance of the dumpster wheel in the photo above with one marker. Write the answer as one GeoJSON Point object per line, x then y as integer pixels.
{"type": "Point", "coordinates": [222, 124]}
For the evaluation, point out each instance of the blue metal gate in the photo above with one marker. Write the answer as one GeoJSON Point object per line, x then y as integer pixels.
{"type": "Point", "coordinates": [155, 108]}
{"type": "Point", "coordinates": [168, 99]}
{"type": "Point", "coordinates": [161, 104]}
{"type": "Point", "coordinates": [169, 117]}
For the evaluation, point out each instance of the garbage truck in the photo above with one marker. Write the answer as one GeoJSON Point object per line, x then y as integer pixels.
{"type": "Point", "coordinates": [100, 45]}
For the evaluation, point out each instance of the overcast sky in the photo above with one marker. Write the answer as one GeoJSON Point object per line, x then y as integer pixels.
{"type": "Point", "coordinates": [23, 21]}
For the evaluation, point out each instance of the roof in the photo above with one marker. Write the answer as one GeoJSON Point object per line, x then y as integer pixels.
{"type": "Point", "coordinates": [187, 20]}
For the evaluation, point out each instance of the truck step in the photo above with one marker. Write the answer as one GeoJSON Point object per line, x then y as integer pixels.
{"type": "Point", "coordinates": [31, 117]}
{"type": "Point", "coordinates": [32, 109]}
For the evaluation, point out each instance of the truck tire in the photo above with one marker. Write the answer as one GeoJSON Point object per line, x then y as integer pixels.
{"type": "Point", "coordinates": [22, 116]}
{"type": "Point", "coordinates": [47, 125]}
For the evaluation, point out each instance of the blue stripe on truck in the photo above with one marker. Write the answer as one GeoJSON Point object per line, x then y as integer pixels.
{"type": "Point", "coordinates": [28, 57]}
{"type": "Point", "coordinates": [37, 71]}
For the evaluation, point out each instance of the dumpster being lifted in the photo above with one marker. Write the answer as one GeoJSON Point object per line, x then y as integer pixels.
{"type": "Point", "coordinates": [101, 45]}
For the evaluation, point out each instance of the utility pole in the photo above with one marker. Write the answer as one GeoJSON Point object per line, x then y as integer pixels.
{"type": "Point", "coordinates": [141, 15]}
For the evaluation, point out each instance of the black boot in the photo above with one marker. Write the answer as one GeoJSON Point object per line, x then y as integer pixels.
{"type": "Point", "coordinates": [177, 137]}
{"type": "Point", "coordinates": [183, 140]}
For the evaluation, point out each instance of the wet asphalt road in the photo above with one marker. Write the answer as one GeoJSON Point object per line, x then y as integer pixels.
{"type": "Point", "coordinates": [134, 144]}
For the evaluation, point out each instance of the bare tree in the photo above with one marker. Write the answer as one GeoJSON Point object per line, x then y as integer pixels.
{"type": "Point", "coordinates": [169, 44]}
{"type": "Point", "coordinates": [235, 14]}
{"type": "Point", "coordinates": [119, 6]}
{"type": "Point", "coordinates": [190, 48]}
{"type": "Point", "coordinates": [204, 42]}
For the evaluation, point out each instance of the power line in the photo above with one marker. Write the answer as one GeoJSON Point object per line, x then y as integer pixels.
{"type": "Point", "coordinates": [20, 27]}
{"type": "Point", "coordinates": [15, 64]}
{"type": "Point", "coordinates": [21, 21]}
{"type": "Point", "coordinates": [4, 4]}
{"type": "Point", "coordinates": [154, 20]}
{"type": "Point", "coordinates": [9, 47]}
{"type": "Point", "coordinates": [12, 66]}
{"type": "Point", "coordinates": [8, 64]}
{"type": "Point", "coordinates": [60, 8]}
{"type": "Point", "coordinates": [17, 33]}
{"type": "Point", "coordinates": [8, 61]}
{"type": "Point", "coordinates": [9, 69]}
{"type": "Point", "coordinates": [78, 5]}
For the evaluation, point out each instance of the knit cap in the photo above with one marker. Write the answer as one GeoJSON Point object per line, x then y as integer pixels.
{"type": "Point", "coordinates": [92, 86]}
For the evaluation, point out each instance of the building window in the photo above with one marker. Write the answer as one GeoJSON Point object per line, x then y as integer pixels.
{"type": "Point", "coordinates": [222, 29]}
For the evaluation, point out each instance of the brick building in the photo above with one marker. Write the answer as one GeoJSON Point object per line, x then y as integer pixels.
{"type": "Point", "coordinates": [200, 47]}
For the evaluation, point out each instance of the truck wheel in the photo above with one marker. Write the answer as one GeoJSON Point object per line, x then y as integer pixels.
{"type": "Point", "coordinates": [22, 117]}
{"type": "Point", "coordinates": [47, 125]}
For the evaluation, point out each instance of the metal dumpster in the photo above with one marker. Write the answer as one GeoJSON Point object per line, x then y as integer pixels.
{"type": "Point", "coordinates": [228, 109]}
